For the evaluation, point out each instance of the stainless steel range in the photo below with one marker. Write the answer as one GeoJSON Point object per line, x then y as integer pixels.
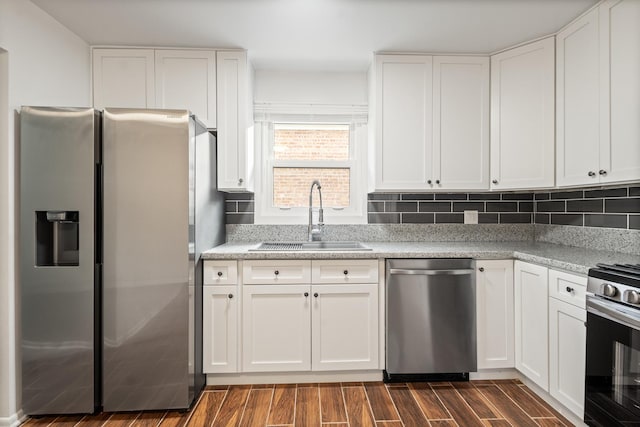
{"type": "Point", "coordinates": [612, 395]}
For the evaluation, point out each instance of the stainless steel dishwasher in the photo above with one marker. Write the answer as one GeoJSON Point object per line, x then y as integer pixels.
{"type": "Point", "coordinates": [431, 319]}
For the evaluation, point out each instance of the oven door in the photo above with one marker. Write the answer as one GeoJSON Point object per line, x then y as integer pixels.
{"type": "Point", "coordinates": [612, 395]}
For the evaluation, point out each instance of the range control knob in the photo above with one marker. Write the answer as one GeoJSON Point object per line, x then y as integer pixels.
{"type": "Point", "coordinates": [632, 297]}
{"type": "Point", "coordinates": [608, 290]}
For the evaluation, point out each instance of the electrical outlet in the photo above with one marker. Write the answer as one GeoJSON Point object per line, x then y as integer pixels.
{"type": "Point", "coordinates": [470, 217]}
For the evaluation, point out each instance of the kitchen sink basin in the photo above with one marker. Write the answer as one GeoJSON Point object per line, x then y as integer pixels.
{"type": "Point", "coordinates": [311, 246]}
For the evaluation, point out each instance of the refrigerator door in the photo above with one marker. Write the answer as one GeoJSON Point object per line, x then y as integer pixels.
{"type": "Point", "coordinates": [59, 154]}
{"type": "Point", "coordinates": [146, 259]}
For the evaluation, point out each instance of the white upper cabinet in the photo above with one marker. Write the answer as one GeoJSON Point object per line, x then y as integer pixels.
{"type": "Point", "coordinates": [186, 79]}
{"type": "Point", "coordinates": [522, 117]}
{"type": "Point", "coordinates": [427, 110]}
{"type": "Point", "coordinates": [403, 121]}
{"type": "Point", "coordinates": [460, 123]}
{"type": "Point", "coordinates": [620, 90]}
{"type": "Point", "coordinates": [598, 96]}
{"type": "Point", "coordinates": [123, 78]}
{"type": "Point", "coordinates": [235, 121]}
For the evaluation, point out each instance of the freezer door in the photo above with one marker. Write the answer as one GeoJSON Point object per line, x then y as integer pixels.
{"type": "Point", "coordinates": [58, 162]}
{"type": "Point", "coordinates": [146, 259]}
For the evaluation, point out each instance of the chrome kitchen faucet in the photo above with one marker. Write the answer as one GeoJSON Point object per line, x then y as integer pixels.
{"type": "Point", "coordinates": [315, 230]}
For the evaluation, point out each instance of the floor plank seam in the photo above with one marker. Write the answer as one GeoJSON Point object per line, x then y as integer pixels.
{"type": "Point", "coordinates": [366, 395]}
{"type": "Point", "coordinates": [490, 404]}
{"type": "Point", "coordinates": [440, 400]}
{"type": "Point", "coordinates": [344, 402]}
{"type": "Point", "coordinates": [518, 405]}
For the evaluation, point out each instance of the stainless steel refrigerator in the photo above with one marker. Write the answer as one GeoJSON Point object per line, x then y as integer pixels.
{"type": "Point", "coordinates": [115, 210]}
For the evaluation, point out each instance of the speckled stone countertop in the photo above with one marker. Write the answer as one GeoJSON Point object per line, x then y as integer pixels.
{"type": "Point", "coordinates": [567, 258]}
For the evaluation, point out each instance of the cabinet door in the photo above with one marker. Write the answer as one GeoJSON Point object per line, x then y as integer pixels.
{"type": "Point", "coordinates": [531, 320]}
{"type": "Point", "coordinates": [567, 352]}
{"type": "Point", "coordinates": [577, 102]}
{"type": "Point", "coordinates": [123, 78]}
{"type": "Point", "coordinates": [276, 328]}
{"type": "Point", "coordinates": [620, 90]}
{"type": "Point", "coordinates": [233, 124]}
{"type": "Point", "coordinates": [345, 327]}
{"type": "Point", "coordinates": [460, 122]}
{"type": "Point", "coordinates": [494, 294]}
{"type": "Point", "coordinates": [403, 117]}
{"type": "Point", "coordinates": [220, 329]}
{"type": "Point", "coordinates": [186, 79]}
{"type": "Point", "coordinates": [522, 117]}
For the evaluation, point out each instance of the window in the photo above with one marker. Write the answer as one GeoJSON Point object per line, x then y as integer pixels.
{"type": "Point", "coordinates": [297, 152]}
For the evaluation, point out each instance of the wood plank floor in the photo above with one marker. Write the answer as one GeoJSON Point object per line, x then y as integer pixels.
{"type": "Point", "coordinates": [370, 404]}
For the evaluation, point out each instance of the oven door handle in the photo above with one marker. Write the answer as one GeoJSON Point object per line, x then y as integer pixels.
{"type": "Point", "coordinates": [613, 311]}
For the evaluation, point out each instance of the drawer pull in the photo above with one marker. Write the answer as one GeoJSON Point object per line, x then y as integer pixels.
{"type": "Point", "coordinates": [569, 289]}
{"type": "Point", "coordinates": [481, 269]}
{"type": "Point", "coordinates": [230, 296]}
{"type": "Point", "coordinates": [219, 273]}
{"type": "Point", "coordinates": [346, 272]}
{"type": "Point", "coordinates": [276, 272]}
{"type": "Point", "coordinates": [315, 295]}
{"type": "Point", "coordinates": [306, 294]}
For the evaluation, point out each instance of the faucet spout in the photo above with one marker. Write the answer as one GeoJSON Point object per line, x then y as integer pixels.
{"type": "Point", "coordinates": [315, 231]}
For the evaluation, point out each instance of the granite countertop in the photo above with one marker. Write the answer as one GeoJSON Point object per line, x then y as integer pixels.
{"type": "Point", "coordinates": [562, 257]}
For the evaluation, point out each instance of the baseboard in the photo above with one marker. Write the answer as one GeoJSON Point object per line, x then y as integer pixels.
{"type": "Point", "coordinates": [12, 421]}
{"type": "Point", "coordinates": [495, 374]}
{"type": "Point", "coordinates": [292, 377]}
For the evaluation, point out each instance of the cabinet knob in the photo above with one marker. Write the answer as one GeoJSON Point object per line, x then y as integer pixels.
{"type": "Point", "coordinates": [219, 273]}
{"type": "Point", "coordinates": [569, 289]}
{"type": "Point", "coordinates": [315, 295]}
{"type": "Point", "coordinates": [481, 269]}
{"type": "Point", "coordinates": [591, 173]}
{"type": "Point", "coordinates": [429, 181]}
{"type": "Point", "coordinates": [306, 294]}
{"type": "Point", "coordinates": [437, 181]}
{"type": "Point", "coordinates": [276, 272]}
{"type": "Point", "coordinates": [230, 296]}
{"type": "Point", "coordinates": [346, 272]}
{"type": "Point", "coordinates": [495, 181]}
{"type": "Point", "coordinates": [602, 172]}
{"type": "Point", "coordinates": [240, 181]}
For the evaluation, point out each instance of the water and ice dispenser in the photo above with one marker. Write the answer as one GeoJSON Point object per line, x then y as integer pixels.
{"type": "Point", "coordinates": [57, 238]}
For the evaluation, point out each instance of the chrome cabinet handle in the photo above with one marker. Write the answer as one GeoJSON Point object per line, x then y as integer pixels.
{"type": "Point", "coordinates": [591, 173]}
{"type": "Point", "coordinates": [602, 172]}
{"type": "Point", "coordinates": [481, 269]}
{"type": "Point", "coordinates": [569, 289]}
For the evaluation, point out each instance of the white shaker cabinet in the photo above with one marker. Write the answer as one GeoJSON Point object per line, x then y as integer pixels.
{"type": "Point", "coordinates": [276, 328]}
{"type": "Point", "coordinates": [235, 121]}
{"type": "Point", "coordinates": [531, 322]}
{"type": "Point", "coordinates": [186, 79]}
{"type": "Point", "coordinates": [426, 111]}
{"type": "Point", "coordinates": [220, 329]}
{"type": "Point", "coordinates": [403, 114]}
{"type": "Point", "coordinates": [598, 96]}
{"type": "Point", "coordinates": [522, 117]}
{"type": "Point", "coordinates": [123, 78]}
{"type": "Point", "coordinates": [619, 90]}
{"type": "Point", "coordinates": [494, 311]}
{"type": "Point", "coordinates": [567, 339]}
{"type": "Point", "coordinates": [460, 123]}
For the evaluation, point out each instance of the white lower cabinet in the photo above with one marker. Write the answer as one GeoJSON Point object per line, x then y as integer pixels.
{"type": "Point", "coordinates": [567, 339]}
{"type": "Point", "coordinates": [220, 329]}
{"type": "Point", "coordinates": [276, 328]}
{"type": "Point", "coordinates": [494, 311]}
{"type": "Point", "coordinates": [531, 322]}
{"type": "Point", "coordinates": [344, 324]}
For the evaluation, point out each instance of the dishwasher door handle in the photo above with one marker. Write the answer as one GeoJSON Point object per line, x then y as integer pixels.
{"type": "Point", "coordinates": [457, 272]}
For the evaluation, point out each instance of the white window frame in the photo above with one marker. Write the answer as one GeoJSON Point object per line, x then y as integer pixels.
{"type": "Point", "coordinates": [265, 118]}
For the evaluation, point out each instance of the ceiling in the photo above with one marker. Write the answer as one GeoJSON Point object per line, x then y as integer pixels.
{"type": "Point", "coordinates": [332, 35]}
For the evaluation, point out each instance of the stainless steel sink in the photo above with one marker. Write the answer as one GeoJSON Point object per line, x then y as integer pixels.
{"type": "Point", "coordinates": [311, 246]}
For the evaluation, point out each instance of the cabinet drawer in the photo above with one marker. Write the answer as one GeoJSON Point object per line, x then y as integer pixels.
{"type": "Point", "coordinates": [276, 272]}
{"type": "Point", "coordinates": [568, 287]}
{"type": "Point", "coordinates": [345, 271]}
{"type": "Point", "coordinates": [220, 272]}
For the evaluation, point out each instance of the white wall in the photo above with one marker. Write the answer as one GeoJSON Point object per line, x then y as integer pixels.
{"type": "Point", "coordinates": [47, 65]}
{"type": "Point", "coordinates": [310, 87]}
